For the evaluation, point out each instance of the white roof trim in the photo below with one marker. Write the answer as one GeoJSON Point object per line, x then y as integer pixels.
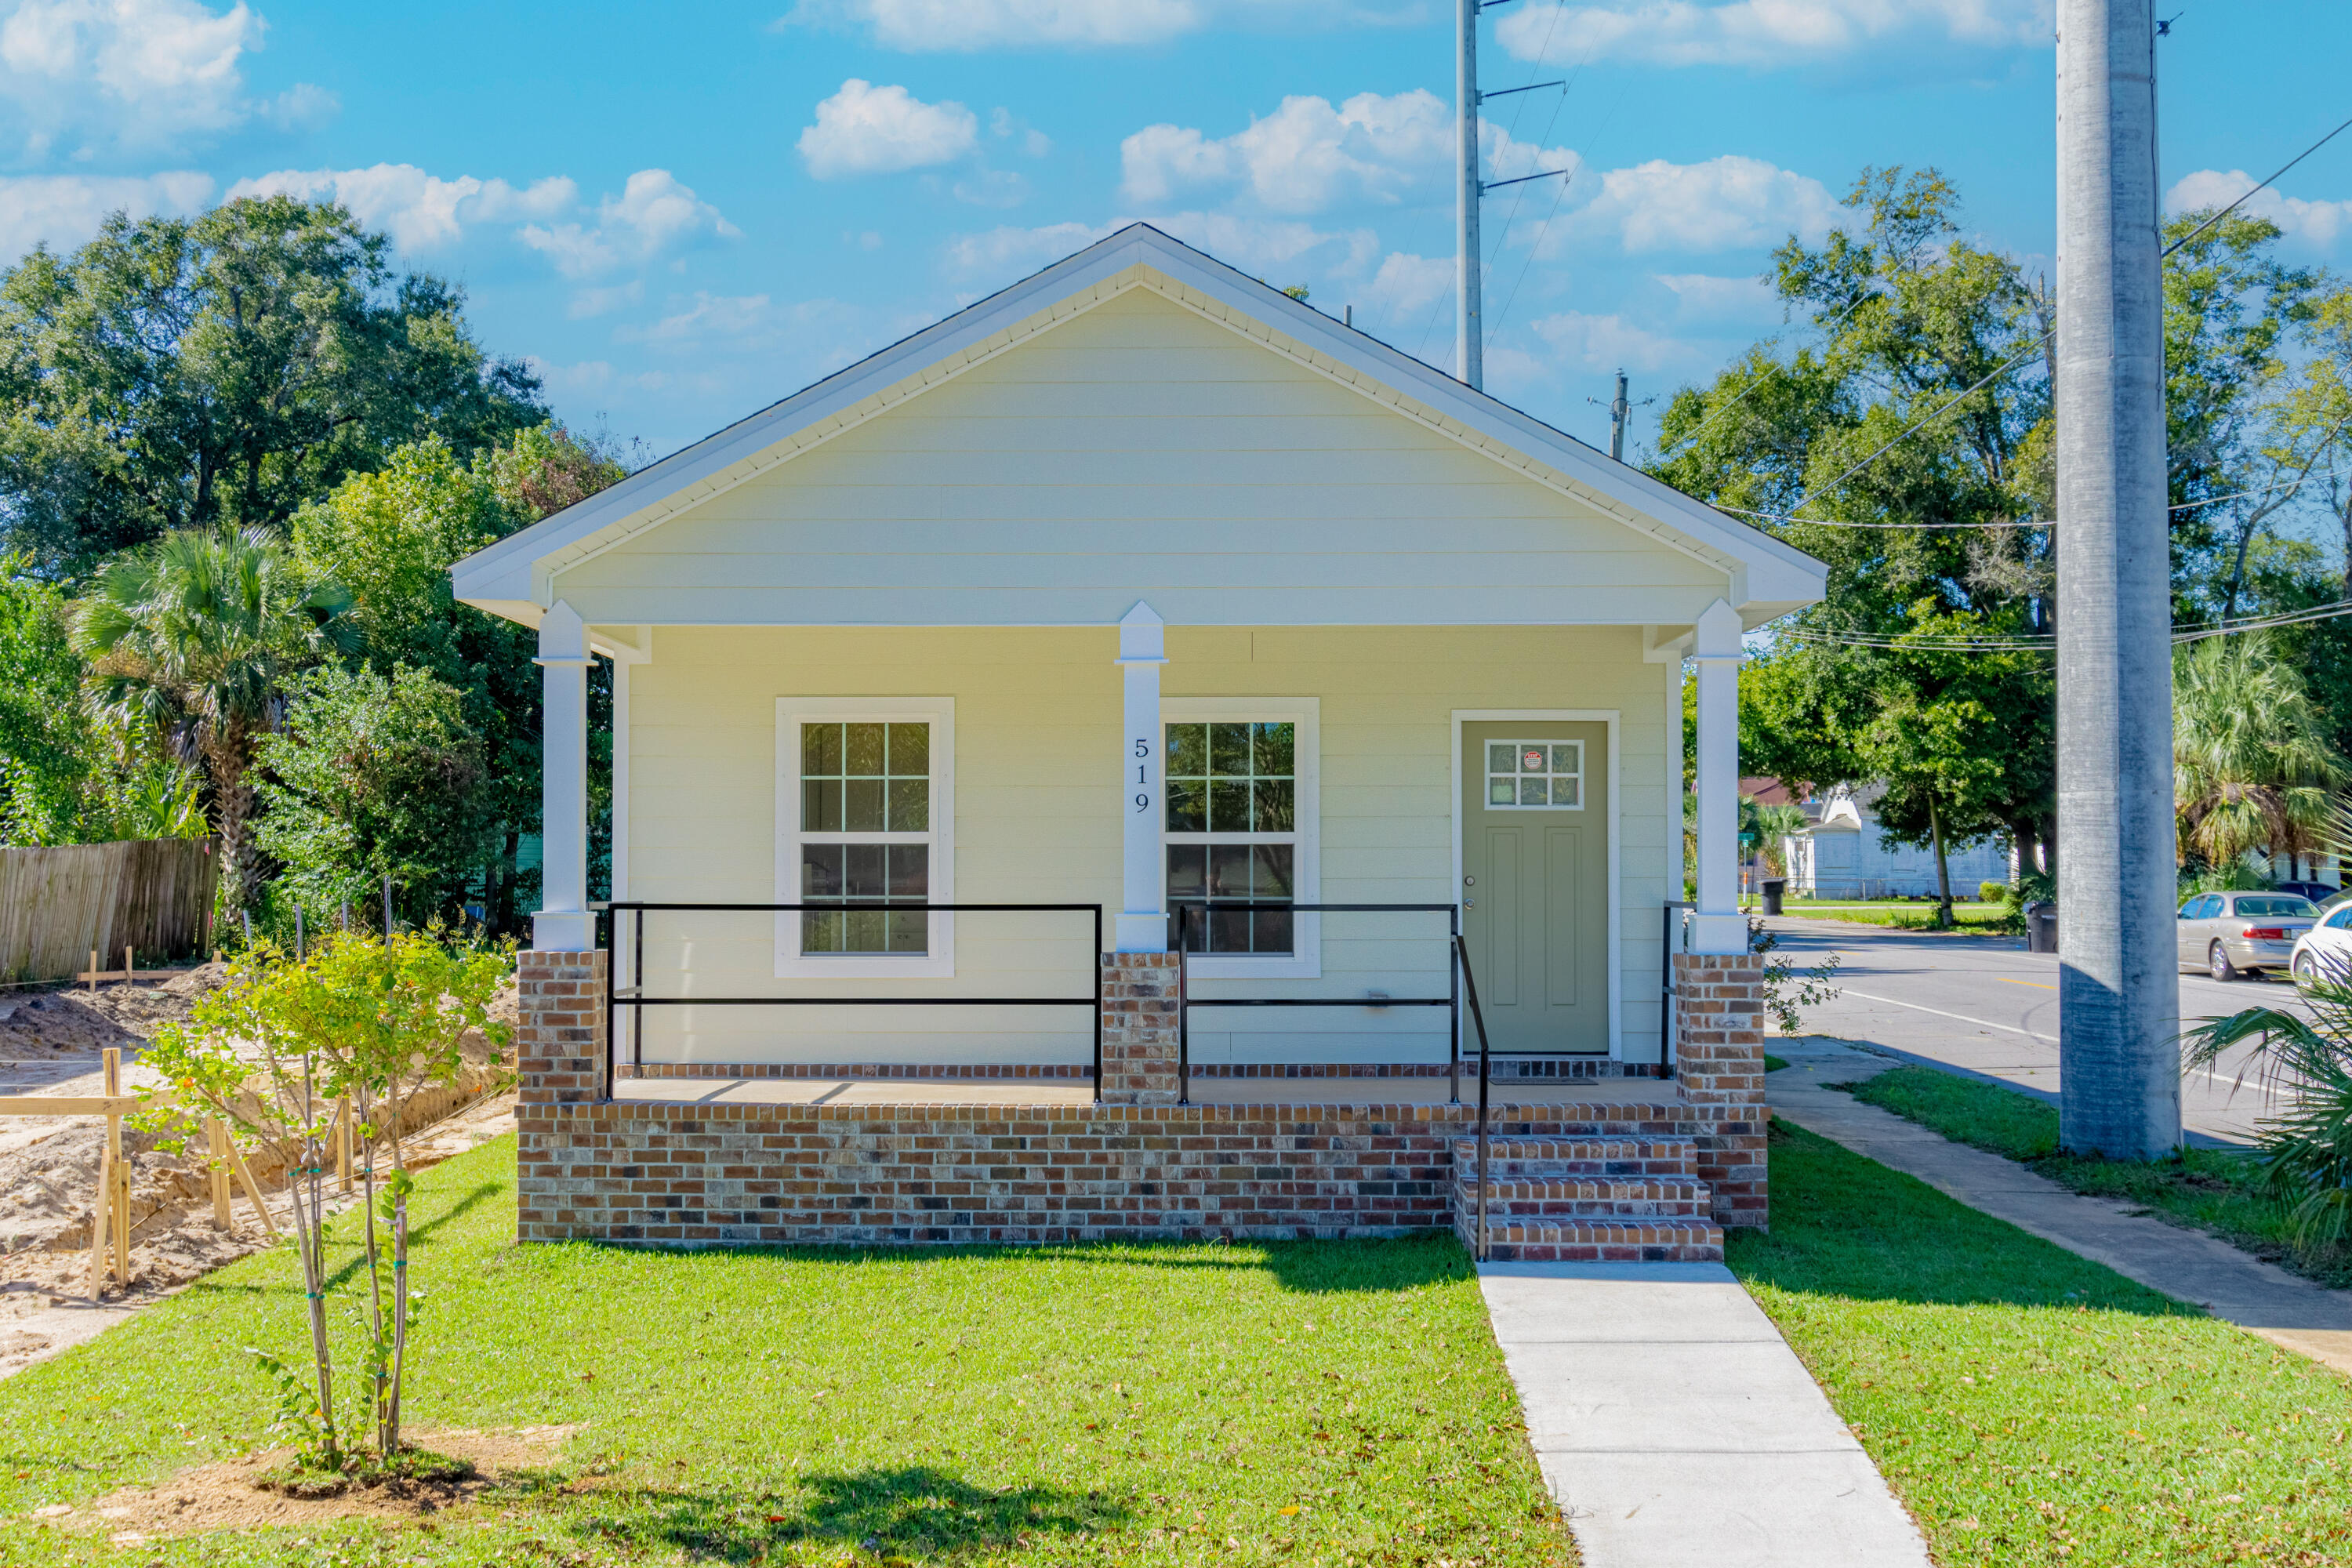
{"type": "Point", "coordinates": [516, 576]}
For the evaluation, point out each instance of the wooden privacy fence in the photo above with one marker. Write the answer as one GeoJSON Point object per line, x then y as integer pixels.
{"type": "Point", "coordinates": [61, 902]}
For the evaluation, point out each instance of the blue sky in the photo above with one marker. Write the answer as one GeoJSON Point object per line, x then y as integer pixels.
{"type": "Point", "coordinates": [680, 214]}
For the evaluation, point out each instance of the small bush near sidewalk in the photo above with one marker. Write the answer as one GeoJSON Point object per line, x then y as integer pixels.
{"type": "Point", "coordinates": [2216, 1190]}
{"type": "Point", "coordinates": [2031, 1407]}
{"type": "Point", "coordinates": [1315, 1402]}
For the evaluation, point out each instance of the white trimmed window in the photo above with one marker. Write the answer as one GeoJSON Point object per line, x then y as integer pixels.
{"type": "Point", "coordinates": [1240, 823]}
{"type": "Point", "coordinates": [864, 810]}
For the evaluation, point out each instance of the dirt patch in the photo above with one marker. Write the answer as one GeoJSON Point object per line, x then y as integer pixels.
{"type": "Point", "coordinates": [48, 1167]}
{"type": "Point", "coordinates": [225, 1496]}
{"type": "Point", "coordinates": [78, 1021]}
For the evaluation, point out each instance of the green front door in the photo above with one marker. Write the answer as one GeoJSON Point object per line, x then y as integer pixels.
{"type": "Point", "coordinates": [1535, 883]}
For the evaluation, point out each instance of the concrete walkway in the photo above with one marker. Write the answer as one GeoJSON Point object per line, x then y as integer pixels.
{"type": "Point", "coordinates": [2187, 1264]}
{"type": "Point", "coordinates": [1675, 1425]}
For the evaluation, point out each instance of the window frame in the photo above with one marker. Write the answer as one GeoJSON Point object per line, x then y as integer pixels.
{"type": "Point", "coordinates": [1304, 715]}
{"type": "Point", "coordinates": [1582, 776]}
{"type": "Point", "coordinates": [791, 712]}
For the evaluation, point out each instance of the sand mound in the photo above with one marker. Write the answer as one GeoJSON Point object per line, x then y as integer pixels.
{"type": "Point", "coordinates": [225, 1497]}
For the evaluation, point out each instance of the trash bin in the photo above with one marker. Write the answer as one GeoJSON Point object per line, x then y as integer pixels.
{"type": "Point", "coordinates": [1773, 887]}
{"type": "Point", "coordinates": [2041, 927]}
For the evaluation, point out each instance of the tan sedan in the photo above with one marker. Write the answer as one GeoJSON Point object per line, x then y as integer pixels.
{"type": "Point", "coordinates": [2229, 934]}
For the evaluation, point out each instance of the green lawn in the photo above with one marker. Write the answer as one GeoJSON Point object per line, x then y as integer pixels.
{"type": "Point", "coordinates": [1311, 1402]}
{"type": "Point", "coordinates": [2032, 1407]}
{"type": "Point", "coordinates": [2215, 1190]}
{"type": "Point", "coordinates": [1906, 915]}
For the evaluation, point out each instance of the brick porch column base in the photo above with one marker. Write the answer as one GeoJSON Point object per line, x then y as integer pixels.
{"type": "Point", "coordinates": [1719, 1068]}
{"type": "Point", "coordinates": [1139, 1051]}
{"type": "Point", "coordinates": [559, 1033]}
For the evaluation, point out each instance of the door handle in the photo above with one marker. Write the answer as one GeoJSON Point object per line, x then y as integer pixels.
{"type": "Point", "coordinates": [1469, 904]}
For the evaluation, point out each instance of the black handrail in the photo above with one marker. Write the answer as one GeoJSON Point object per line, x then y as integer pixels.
{"type": "Point", "coordinates": [1461, 951]}
{"type": "Point", "coordinates": [1185, 1002]}
{"type": "Point", "coordinates": [639, 1001]}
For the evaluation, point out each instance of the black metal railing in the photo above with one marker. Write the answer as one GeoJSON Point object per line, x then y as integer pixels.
{"type": "Point", "coordinates": [635, 996]}
{"type": "Point", "coordinates": [1460, 982]}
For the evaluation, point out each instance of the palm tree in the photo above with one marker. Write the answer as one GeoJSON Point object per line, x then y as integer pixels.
{"type": "Point", "coordinates": [195, 635]}
{"type": "Point", "coordinates": [2251, 765]}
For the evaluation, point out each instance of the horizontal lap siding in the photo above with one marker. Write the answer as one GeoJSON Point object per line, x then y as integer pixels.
{"type": "Point", "coordinates": [1038, 814]}
{"type": "Point", "coordinates": [1140, 450]}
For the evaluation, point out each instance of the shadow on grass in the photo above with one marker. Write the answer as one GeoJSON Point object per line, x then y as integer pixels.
{"type": "Point", "coordinates": [911, 1511]}
{"type": "Point", "coordinates": [354, 1233]}
{"type": "Point", "coordinates": [1846, 1226]}
{"type": "Point", "coordinates": [1372, 1265]}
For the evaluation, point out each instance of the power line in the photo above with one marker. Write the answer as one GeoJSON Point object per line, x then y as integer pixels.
{"type": "Point", "coordinates": [1764, 376]}
{"type": "Point", "coordinates": [2029, 522]}
{"type": "Point", "coordinates": [2195, 631]}
{"type": "Point", "coordinates": [2234, 206]}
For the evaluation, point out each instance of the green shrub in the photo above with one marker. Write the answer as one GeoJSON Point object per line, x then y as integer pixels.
{"type": "Point", "coordinates": [1993, 893]}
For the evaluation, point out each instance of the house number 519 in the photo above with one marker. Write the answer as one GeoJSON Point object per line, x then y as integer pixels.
{"type": "Point", "coordinates": [1142, 797]}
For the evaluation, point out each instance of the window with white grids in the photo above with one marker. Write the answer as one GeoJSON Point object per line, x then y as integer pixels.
{"type": "Point", "coordinates": [865, 808]}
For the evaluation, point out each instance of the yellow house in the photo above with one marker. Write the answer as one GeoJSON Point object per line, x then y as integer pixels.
{"type": "Point", "coordinates": [1139, 586]}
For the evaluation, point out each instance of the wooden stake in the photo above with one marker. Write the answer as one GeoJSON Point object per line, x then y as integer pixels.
{"type": "Point", "coordinates": [120, 1191]}
{"type": "Point", "coordinates": [343, 1145]}
{"type": "Point", "coordinates": [93, 969]}
{"type": "Point", "coordinates": [216, 1141]}
{"type": "Point", "coordinates": [129, 974]}
{"type": "Point", "coordinates": [252, 1191]}
{"type": "Point", "coordinates": [100, 1223]}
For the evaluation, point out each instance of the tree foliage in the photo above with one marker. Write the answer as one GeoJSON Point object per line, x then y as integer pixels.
{"type": "Point", "coordinates": [196, 636]}
{"type": "Point", "coordinates": [1911, 318]}
{"type": "Point", "coordinates": [374, 776]}
{"type": "Point", "coordinates": [221, 371]}
{"type": "Point", "coordinates": [2253, 766]}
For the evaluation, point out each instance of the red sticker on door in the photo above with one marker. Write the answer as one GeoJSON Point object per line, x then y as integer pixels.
{"type": "Point", "coordinates": [1532, 760]}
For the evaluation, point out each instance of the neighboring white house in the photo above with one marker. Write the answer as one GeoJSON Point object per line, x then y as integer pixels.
{"type": "Point", "coordinates": [1841, 854]}
{"type": "Point", "coordinates": [1139, 583]}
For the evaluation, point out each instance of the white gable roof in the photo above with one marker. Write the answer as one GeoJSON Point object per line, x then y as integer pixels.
{"type": "Point", "coordinates": [516, 576]}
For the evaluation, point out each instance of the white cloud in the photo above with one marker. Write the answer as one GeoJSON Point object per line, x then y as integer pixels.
{"type": "Point", "coordinates": [135, 76]}
{"type": "Point", "coordinates": [420, 211]}
{"type": "Point", "coordinates": [1724, 204]}
{"type": "Point", "coordinates": [1705, 297]}
{"type": "Point", "coordinates": [1759, 33]}
{"type": "Point", "coordinates": [868, 130]}
{"type": "Point", "coordinates": [1003, 125]}
{"type": "Point", "coordinates": [588, 302]}
{"type": "Point", "coordinates": [1405, 286]}
{"type": "Point", "coordinates": [992, 188]}
{"type": "Point", "coordinates": [63, 210]}
{"type": "Point", "coordinates": [2318, 222]}
{"type": "Point", "coordinates": [1608, 342]}
{"type": "Point", "coordinates": [922, 25]}
{"type": "Point", "coordinates": [1282, 251]}
{"type": "Point", "coordinates": [1303, 157]}
{"type": "Point", "coordinates": [654, 214]}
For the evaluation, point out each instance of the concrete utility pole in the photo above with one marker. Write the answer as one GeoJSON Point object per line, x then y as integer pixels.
{"type": "Point", "coordinates": [2118, 983]}
{"type": "Point", "coordinates": [1618, 410]}
{"type": "Point", "coordinates": [1469, 330]}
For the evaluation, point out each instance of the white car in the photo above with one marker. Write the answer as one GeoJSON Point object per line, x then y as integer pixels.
{"type": "Point", "coordinates": [2324, 952]}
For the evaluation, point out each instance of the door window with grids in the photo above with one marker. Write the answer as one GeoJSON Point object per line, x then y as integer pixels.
{"type": "Point", "coordinates": [1548, 774]}
{"type": "Point", "coordinates": [866, 837]}
{"type": "Point", "coordinates": [1232, 833]}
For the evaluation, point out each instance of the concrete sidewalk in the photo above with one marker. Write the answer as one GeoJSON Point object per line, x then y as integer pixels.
{"type": "Point", "coordinates": [1675, 1425]}
{"type": "Point", "coordinates": [2285, 1307]}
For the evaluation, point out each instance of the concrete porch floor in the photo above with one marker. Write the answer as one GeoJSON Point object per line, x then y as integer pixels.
{"type": "Point", "coordinates": [1205, 1091]}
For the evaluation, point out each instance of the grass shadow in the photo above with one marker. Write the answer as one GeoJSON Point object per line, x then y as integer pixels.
{"type": "Point", "coordinates": [917, 1511]}
{"type": "Point", "coordinates": [1380, 1264]}
{"type": "Point", "coordinates": [354, 1233]}
{"type": "Point", "coordinates": [1846, 1226]}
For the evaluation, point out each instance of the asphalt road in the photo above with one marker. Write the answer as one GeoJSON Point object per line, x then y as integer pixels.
{"type": "Point", "coordinates": [1986, 1004]}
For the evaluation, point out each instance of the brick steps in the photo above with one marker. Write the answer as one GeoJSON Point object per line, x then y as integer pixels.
{"type": "Point", "coordinates": [1539, 1158]}
{"type": "Point", "coordinates": [1602, 1199]}
{"type": "Point", "coordinates": [1602, 1240]}
{"type": "Point", "coordinates": [1586, 1198]}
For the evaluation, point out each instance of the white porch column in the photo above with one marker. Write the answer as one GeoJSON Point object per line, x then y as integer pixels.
{"type": "Point", "coordinates": [564, 923]}
{"type": "Point", "coordinates": [1142, 925]}
{"type": "Point", "coordinates": [1719, 927]}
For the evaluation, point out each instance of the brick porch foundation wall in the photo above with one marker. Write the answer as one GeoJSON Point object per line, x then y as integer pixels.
{"type": "Point", "coordinates": [560, 1027]}
{"type": "Point", "coordinates": [676, 1175]}
{"type": "Point", "coordinates": [1720, 1070]}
